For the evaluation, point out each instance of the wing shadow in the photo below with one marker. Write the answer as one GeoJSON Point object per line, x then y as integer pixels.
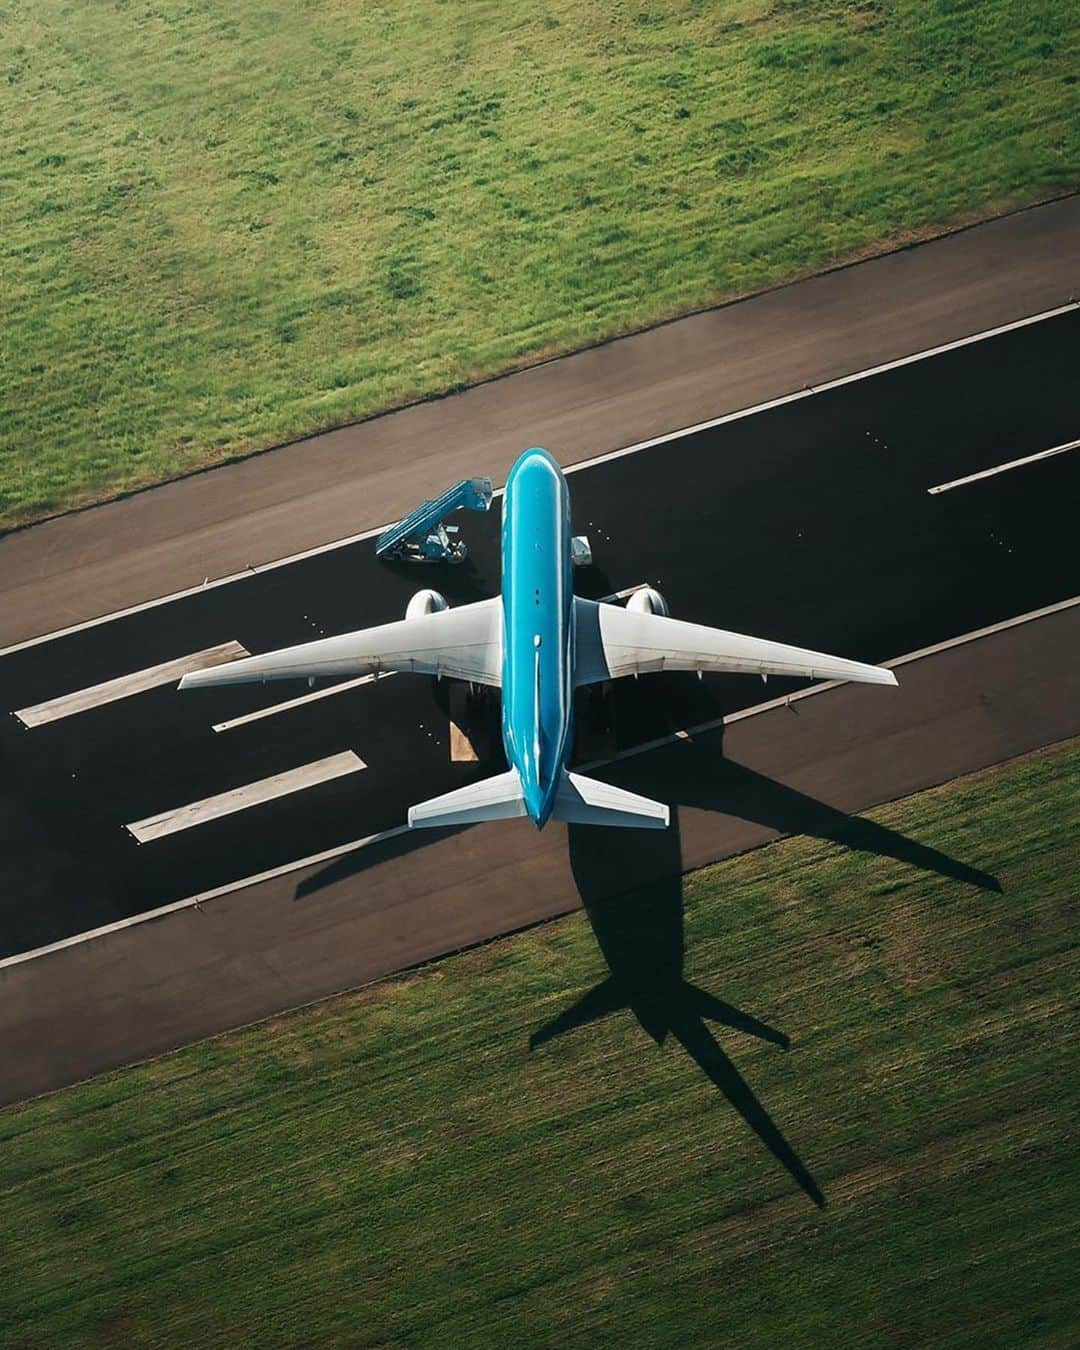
{"type": "Point", "coordinates": [639, 929]}
{"type": "Point", "coordinates": [353, 864]}
{"type": "Point", "coordinates": [697, 774]}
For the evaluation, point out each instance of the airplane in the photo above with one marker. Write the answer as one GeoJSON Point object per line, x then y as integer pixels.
{"type": "Point", "coordinates": [538, 642]}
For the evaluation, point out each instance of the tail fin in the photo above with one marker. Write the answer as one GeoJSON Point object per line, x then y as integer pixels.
{"type": "Point", "coordinates": [498, 798]}
{"type": "Point", "coordinates": [585, 801]}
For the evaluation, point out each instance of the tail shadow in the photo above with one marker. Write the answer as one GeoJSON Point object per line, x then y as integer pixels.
{"type": "Point", "coordinates": [639, 928]}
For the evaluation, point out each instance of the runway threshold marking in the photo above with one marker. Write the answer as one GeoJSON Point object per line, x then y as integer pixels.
{"type": "Point", "coordinates": [299, 701]}
{"type": "Point", "coordinates": [67, 705]}
{"type": "Point", "coordinates": [808, 392]}
{"type": "Point", "coordinates": [1003, 468]}
{"type": "Point", "coordinates": [241, 798]}
{"type": "Point", "coordinates": [355, 845]}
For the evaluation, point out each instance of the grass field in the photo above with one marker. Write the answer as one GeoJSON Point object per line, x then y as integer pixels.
{"type": "Point", "coordinates": [399, 1167]}
{"type": "Point", "coordinates": [225, 223]}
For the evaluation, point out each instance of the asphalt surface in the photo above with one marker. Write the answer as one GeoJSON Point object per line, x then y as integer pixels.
{"type": "Point", "coordinates": [146, 989]}
{"type": "Point", "coordinates": [335, 485]}
{"type": "Point", "coordinates": [808, 523]}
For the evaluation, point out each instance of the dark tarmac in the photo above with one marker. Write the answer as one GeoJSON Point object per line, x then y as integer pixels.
{"type": "Point", "coordinates": [808, 523]}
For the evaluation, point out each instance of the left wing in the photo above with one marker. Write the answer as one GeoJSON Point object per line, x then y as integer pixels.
{"type": "Point", "coordinates": [612, 641]}
{"type": "Point", "coordinates": [463, 643]}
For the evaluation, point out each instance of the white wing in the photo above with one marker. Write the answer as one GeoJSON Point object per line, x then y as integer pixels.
{"type": "Point", "coordinates": [464, 644]}
{"type": "Point", "coordinates": [612, 641]}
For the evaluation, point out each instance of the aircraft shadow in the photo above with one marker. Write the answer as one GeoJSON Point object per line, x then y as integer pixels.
{"type": "Point", "coordinates": [639, 929]}
{"type": "Point", "coordinates": [353, 864]}
{"type": "Point", "coordinates": [698, 774]}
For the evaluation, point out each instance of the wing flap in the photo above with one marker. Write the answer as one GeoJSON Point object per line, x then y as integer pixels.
{"type": "Point", "coordinates": [463, 643]}
{"type": "Point", "coordinates": [613, 642]}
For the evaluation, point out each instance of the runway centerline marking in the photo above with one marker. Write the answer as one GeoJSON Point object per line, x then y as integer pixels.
{"type": "Point", "coordinates": [735, 416]}
{"type": "Point", "coordinates": [241, 798]}
{"type": "Point", "coordinates": [96, 695]}
{"type": "Point", "coordinates": [300, 700]}
{"type": "Point", "coordinates": [1003, 468]}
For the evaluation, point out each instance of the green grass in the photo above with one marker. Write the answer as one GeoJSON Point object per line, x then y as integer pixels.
{"type": "Point", "coordinates": [224, 224]}
{"type": "Point", "coordinates": [397, 1167]}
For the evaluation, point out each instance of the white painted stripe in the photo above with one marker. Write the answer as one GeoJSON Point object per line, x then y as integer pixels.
{"type": "Point", "coordinates": [196, 901]}
{"type": "Point", "coordinates": [785, 700]}
{"type": "Point", "coordinates": [241, 798]}
{"type": "Point", "coordinates": [207, 585]}
{"type": "Point", "coordinates": [67, 705]}
{"type": "Point", "coordinates": [570, 468]}
{"type": "Point", "coordinates": [1003, 468]}
{"type": "Point", "coordinates": [824, 388]}
{"type": "Point", "coordinates": [355, 845]}
{"type": "Point", "coordinates": [300, 700]}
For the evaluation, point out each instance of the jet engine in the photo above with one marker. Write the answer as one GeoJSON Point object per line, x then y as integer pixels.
{"type": "Point", "coordinates": [647, 601]}
{"type": "Point", "coordinates": [425, 602]}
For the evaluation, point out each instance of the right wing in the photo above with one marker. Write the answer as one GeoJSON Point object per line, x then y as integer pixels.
{"type": "Point", "coordinates": [612, 641]}
{"type": "Point", "coordinates": [463, 643]}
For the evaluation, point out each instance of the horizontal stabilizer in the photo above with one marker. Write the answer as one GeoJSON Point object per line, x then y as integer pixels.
{"type": "Point", "coordinates": [498, 798]}
{"type": "Point", "coordinates": [586, 801]}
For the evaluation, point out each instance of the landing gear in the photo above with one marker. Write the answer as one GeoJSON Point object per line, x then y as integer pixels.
{"type": "Point", "coordinates": [473, 710]}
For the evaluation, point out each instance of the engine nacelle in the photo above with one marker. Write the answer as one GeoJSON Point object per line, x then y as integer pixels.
{"type": "Point", "coordinates": [647, 601]}
{"type": "Point", "coordinates": [425, 602]}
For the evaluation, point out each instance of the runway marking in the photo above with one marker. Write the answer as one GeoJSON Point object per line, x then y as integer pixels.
{"type": "Point", "coordinates": [736, 416]}
{"type": "Point", "coordinates": [786, 700]}
{"type": "Point", "coordinates": [67, 705]}
{"type": "Point", "coordinates": [241, 798]}
{"type": "Point", "coordinates": [822, 388]}
{"type": "Point", "coordinates": [301, 699]}
{"type": "Point", "coordinates": [355, 845]}
{"type": "Point", "coordinates": [196, 901]}
{"type": "Point", "coordinates": [1003, 468]}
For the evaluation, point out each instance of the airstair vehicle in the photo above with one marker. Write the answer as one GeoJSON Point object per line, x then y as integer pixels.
{"type": "Point", "coordinates": [423, 536]}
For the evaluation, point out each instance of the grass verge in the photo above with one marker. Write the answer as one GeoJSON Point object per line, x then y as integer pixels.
{"type": "Point", "coordinates": [223, 225]}
{"type": "Point", "coordinates": [460, 1158]}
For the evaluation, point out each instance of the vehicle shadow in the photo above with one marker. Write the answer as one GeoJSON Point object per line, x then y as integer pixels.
{"type": "Point", "coordinates": [639, 929]}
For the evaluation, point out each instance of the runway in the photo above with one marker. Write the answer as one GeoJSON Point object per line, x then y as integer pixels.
{"type": "Point", "coordinates": [820, 521]}
{"type": "Point", "coordinates": [814, 522]}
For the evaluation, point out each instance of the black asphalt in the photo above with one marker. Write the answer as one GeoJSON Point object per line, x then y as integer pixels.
{"type": "Point", "coordinates": [809, 523]}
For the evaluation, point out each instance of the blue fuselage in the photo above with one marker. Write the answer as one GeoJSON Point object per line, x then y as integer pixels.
{"type": "Point", "coordinates": [538, 629]}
